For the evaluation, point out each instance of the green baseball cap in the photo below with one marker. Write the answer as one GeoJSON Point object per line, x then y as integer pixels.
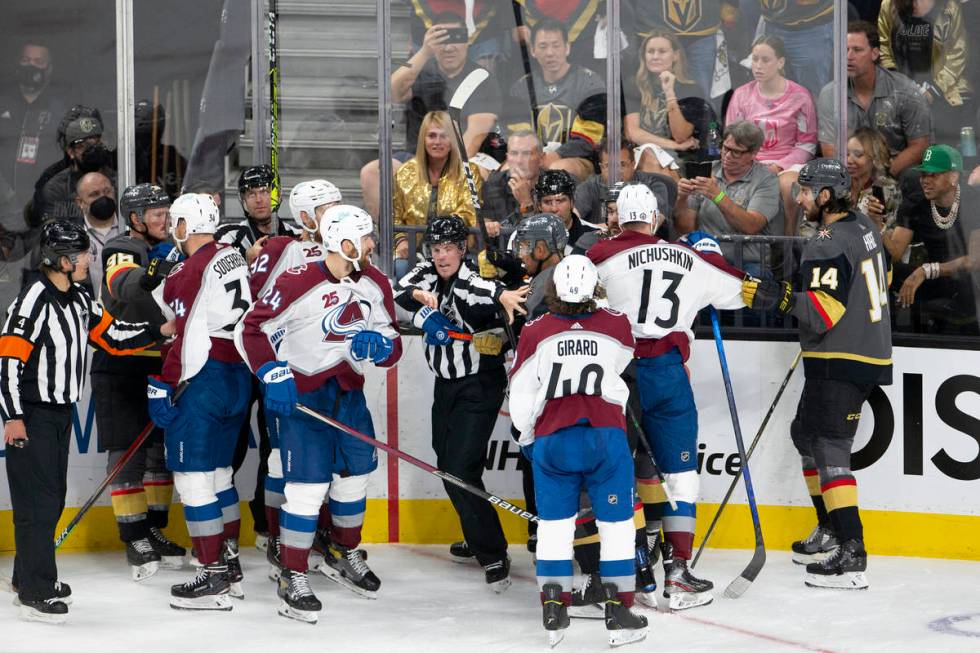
{"type": "Point", "coordinates": [940, 158]}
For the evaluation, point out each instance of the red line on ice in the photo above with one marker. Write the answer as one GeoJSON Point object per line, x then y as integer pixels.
{"type": "Point", "coordinates": [752, 633]}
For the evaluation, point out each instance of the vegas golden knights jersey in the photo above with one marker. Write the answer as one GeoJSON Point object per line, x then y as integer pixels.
{"type": "Point", "coordinates": [566, 107]}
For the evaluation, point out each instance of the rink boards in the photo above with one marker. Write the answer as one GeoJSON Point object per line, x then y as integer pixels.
{"type": "Point", "coordinates": [917, 457]}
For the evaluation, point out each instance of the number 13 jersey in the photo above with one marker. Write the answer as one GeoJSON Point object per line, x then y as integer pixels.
{"type": "Point", "coordinates": [661, 286]}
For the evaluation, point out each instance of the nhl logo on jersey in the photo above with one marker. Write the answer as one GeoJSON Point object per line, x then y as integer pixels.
{"type": "Point", "coordinates": [612, 499]}
{"type": "Point", "coordinates": [344, 320]}
{"type": "Point", "coordinates": [685, 456]}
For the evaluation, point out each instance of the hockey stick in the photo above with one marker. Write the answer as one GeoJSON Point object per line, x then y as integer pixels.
{"type": "Point", "coordinates": [755, 441]}
{"type": "Point", "coordinates": [653, 460]}
{"type": "Point", "coordinates": [273, 17]}
{"type": "Point", "coordinates": [125, 458]}
{"type": "Point", "coordinates": [435, 471]}
{"type": "Point", "coordinates": [738, 586]}
{"type": "Point", "coordinates": [526, 60]}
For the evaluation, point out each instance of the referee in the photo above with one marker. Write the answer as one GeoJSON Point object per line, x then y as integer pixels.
{"type": "Point", "coordinates": [42, 372]}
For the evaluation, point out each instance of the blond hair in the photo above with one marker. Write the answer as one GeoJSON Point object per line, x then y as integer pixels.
{"type": "Point", "coordinates": [643, 76]}
{"type": "Point", "coordinates": [454, 166]}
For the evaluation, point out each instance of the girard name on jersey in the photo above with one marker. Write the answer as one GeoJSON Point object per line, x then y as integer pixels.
{"type": "Point", "coordinates": [578, 347]}
{"type": "Point", "coordinates": [673, 255]}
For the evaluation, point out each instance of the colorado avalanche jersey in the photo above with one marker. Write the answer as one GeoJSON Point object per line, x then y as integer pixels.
{"type": "Point", "coordinates": [278, 255]}
{"type": "Point", "coordinates": [207, 295]}
{"type": "Point", "coordinates": [568, 369]}
{"type": "Point", "coordinates": [661, 286]}
{"type": "Point", "coordinates": [308, 318]}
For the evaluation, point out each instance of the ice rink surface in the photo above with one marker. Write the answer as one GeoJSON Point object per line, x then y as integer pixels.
{"type": "Point", "coordinates": [429, 604]}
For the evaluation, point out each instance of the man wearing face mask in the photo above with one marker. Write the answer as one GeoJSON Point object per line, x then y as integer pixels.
{"type": "Point", "coordinates": [96, 199]}
{"type": "Point", "coordinates": [29, 114]}
{"type": "Point", "coordinates": [87, 153]}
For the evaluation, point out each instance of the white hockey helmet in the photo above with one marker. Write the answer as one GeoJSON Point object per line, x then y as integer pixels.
{"type": "Point", "coordinates": [308, 195]}
{"type": "Point", "coordinates": [575, 279]}
{"type": "Point", "coordinates": [637, 203]}
{"type": "Point", "coordinates": [199, 213]}
{"type": "Point", "coordinates": [345, 222]}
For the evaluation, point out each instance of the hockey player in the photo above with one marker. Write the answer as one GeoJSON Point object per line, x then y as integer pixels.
{"type": "Point", "coordinates": [308, 340]}
{"type": "Point", "coordinates": [567, 400]}
{"type": "Point", "coordinates": [135, 264]}
{"type": "Point", "coordinates": [845, 334]}
{"type": "Point", "coordinates": [555, 193]}
{"type": "Point", "coordinates": [674, 282]}
{"type": "Point", "coordinates": [446, 295]}
{"type": "Point", "coordinates": [208, 293]}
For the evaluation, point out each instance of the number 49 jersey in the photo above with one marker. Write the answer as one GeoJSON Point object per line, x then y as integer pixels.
{"type": "Point", "coordinates": [207, 295]}
{"type": "Point", "coordinates": [568, 369]}
{"type": "Point", "coordinates": [661, 286]}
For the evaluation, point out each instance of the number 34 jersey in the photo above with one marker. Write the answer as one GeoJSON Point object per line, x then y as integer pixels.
{"type": "Point", "coordinates": [207, 295]}
{"type": "Point", "coordinates": [661, 286]}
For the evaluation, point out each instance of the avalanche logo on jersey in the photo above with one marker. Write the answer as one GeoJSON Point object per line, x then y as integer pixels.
{"type": "Point", "coordinates": [344, 320]}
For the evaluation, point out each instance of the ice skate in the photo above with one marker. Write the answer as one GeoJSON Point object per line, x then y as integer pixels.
{"type": "Point", "coordinates": [52, 611]}
{"type": "Point", "coordinates": [587, 601]}
{"type": "Point", "coordinates": [819, 545]}
{"type": "Point", "coordinates": [348, 568]}
{"type": "Point", "coordinates": [62, 592]}
{"type": "Point", "coordinates": [272, 555]}
{"type": "Point", "coordinates": [298, 600]}
{"type": "Point", "coordinates": [843, 569]}
{"type": "Point", "coordinates": [497, 574]}
{"type": "Point", "coordinates": [318, 552]}
{"type": "Point", "coordinates": [623, 626]}
{"type": "Point", "coordinates": [262, 542]}
{"type": "Point", "coordinates": [171, 553]}
{"type": "Point", "coordinates": [208, 590]}
{"type": "Point", "coordinates": [555, 613]}
{"type": "Point", "coordinates": [229, 554]}
{"type": "Point", "coordinates": [682, 589]}
{"type": "Point", "coordinates": [460, 552]}
{"type": "Point", "coordinates": [653, 546]}
{"type": "Point", "coordinates": [143, 559]}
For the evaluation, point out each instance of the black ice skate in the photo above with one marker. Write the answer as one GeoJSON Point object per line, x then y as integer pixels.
{"type": "Point", "coordinates": [52, 610]}
{"type": "Point", "coordinates": [62, 592]}
{"type": "Point", "coordinates": [843, 569]}
{"type": "Point", "coordinates": [143, 559]}
{"type": "Point", "coordinates": [273, 556]}
{"type": "Point", "coordinates": [208, 591]}
{"type": "Point", "coordinates": [171, 553]}
{"type": "Point", "coordinates": [348, 568]}
{"type": "Point", "coordinates": [646, 583]}
{"type": "Point", "coordinates": [555, 613]}
{"type": "Point", "coordinates": [623, 626]}
{"type": "Point", "coordinates": [229, 555]}
{"type": "Point", "coordinates": [318, 552]}
{"type": "Point", "coordinates": [588, 600]}
{"type": "Point", "coordinates": [819, 545]}
{"type": "Point", "coordinates": [298, 600]}
{"type": "Point", "coordinates": [683, 589]}
{"type": "Point", "coordinates": [460, 552]}
{"type": "Point", "coordinates": [497, 574]}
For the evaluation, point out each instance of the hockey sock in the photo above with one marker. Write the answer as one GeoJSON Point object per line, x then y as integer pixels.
{"type": "Point", "coordinates": [274, 498]}
{"type": "Point", "coordinates": [228, 500]}
{"type": "Point", "coordinates": [348, 502]}
{"type": "Point", "coordinates": [679, 528]}
{"type": "Point", "coordinates": [651, 493]}
{"type": "Point", "coordinates": [202, 513]}
{"type": "Point", "coordinates": [295, 539]}
{"type": "Point", "coordinates": [323, 519]}
{"type": "Point", "coordinates": [586, 544]}
{"type": "Point", "coordinates": [554, 555]}
{"type": "Point", "coordinates": [840, 496]}
{"type": "Point", "coordinates": [617, 559]}
{"type": "Point", "coordinates": [129, 507]}
{"type": "Point", "coordinates": [159, 495]}
{"type": "Point", "coordinates": [816, 496]}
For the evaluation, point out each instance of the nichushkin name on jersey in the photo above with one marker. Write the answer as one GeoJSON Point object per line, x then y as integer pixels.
{"type": "Point", "coordinates": [578, 347]}
{"type": "Point", "coordinates": [673, 255]}
{"type": "Point", "coordinates": [228, 263]}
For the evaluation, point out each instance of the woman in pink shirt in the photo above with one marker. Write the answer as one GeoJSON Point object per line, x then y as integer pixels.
{"type": "Point", "coordinates": [784, 111]}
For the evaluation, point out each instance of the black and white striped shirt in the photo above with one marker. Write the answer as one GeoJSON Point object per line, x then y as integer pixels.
{"type": "Point", "coordinates": [469, 301]}
{"type": "Point", "coordinates": [244, 234]}
{"type": "Point", "coordinates": [43, 345]}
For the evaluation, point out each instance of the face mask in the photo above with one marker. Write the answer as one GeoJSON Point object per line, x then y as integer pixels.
{"type": "Point", "coordinates": [94, 158]}
{"type": "Point", "coordinates": [102, 208]}
{"type": "Point", "coordinates": [31, 78]}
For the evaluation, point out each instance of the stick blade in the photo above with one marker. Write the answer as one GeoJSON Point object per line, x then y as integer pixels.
{"type": "Point", "coordinates": [740, 585]}
{"type": "Point", "coordinates": [467, 87]}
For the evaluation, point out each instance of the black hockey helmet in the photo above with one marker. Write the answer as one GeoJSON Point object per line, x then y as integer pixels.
{"type": "Point", "coordinates": [138, 198]}
{"type": "Point", "coordinates": [445, 229]}
{"type": "Point", "coordinates": [612, 193]}
{"type": "Point", "coordinates": [73, 114]}
{"type": "Point", "coordinates": [144, 118]}
{"type": "Point", "coordinates": [62, 238]}
{"type": "Point", "coordinates": [554, 182]}
{"type": "Point", "coordinates": [255, 177]}
{"type": "Point", "coordinates": [546, 227]}
{"type": "Point", "coordinates": [826, 173]}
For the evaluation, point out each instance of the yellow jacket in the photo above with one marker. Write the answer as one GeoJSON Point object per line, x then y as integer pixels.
{"type": "Point", "coordinates": [411, 198]}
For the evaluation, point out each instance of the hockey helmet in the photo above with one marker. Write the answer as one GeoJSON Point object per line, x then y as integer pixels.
{"type": "Point", "coordinates": [144, 118]}
{"type": "Point", "coordinates": [554, 182]}
{"type": "Point", "coordinates": [612, 193]}
{"type": "Point", "coordinates": [546, 227]}
{"type": "Point", "coordinates": [637, 203]}
{"type": "Point", "coordinates": [199, 213]}
{"type": "Point", "coordinates": [255, 177]}
{"type": "Point", "coordinates": [575, 279]}
{"type": "Point", "coordinates": [345, 222]}
{"type": "Point", "coordinates": [445, 229]}
{"type": "Point", "coordinates": [308, 195]}
{"type": "Point", "coordinates": [826, 173]}
{"type": "Point", "coordinates": [138, 198]}
{"type": "Point", "coordinates": [62, 238]}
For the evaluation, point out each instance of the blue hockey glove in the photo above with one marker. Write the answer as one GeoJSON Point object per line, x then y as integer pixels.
{"type": "Point", "coordinates": [279, 387]}
{"type": "Point", "coordinates": [436, 326]}
{"type": "Point", "coordinates": [165, 250]}
{"type": "Point", "coordinates": [160, 403]}
{"type": "Point", "coordinates": [371, 344]}
{"type": "Point", "coordinates": [702, 241]}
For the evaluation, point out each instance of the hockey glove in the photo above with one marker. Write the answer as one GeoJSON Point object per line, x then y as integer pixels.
{"type": "Point", "coordinates": [488, 343]}
{"type": "Point", "coordinates": [160, 403]}
{"type": "Point", "coordinates": [279, 387]}
{"type": "Point", "coordinates": [371, 344]}
{"type": "Point", "coordinates": [768, 294]}
{"type": "Point", "coordinates": [156, 272]}
{"type": "Point", "coordinates": [436, 326]}
{"type": "Point", "coordinates": [511, 265]}
{"type": "Point", "coordinates": [702, 241]}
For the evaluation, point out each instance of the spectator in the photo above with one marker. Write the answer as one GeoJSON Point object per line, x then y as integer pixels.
{"type": "Point", "coordinates": [655, 119]}
{"type": "Point", "coordinates": [877, 98]}
{"type": "Point", "coordinates": [944, 223]}
{"type": "Point", "coordinates": [873, 192]}
{"type": "Point", "coordinates": [87, 153]}
{"type": "Point", "coordinates": [427, 83]}
{"type": "Point", "coordinates": [485, 37]}
{"type": "Point", "coordinates": [590, 202]}
{"type": "Point", "coordinates": [926, 41]}
{"type": "Point", "coordinates": [96, 200]}
{"type": "Point", "coordinates": [784, 112]}
{"type": "Point", "coordinates": [554, 193]}
{"type": "Point", "coordinates": [807, 30]}
{"type": "Point", "coordinates": [740, 197]}
{"type": "Point", "coordinates": [571, 107]}
{"type": "Point", "coordinates": [578, 16]}
{"type": "Point", "coordinates": [28, 110]}
{"type": "Point", "coordinates": [508, 192]}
